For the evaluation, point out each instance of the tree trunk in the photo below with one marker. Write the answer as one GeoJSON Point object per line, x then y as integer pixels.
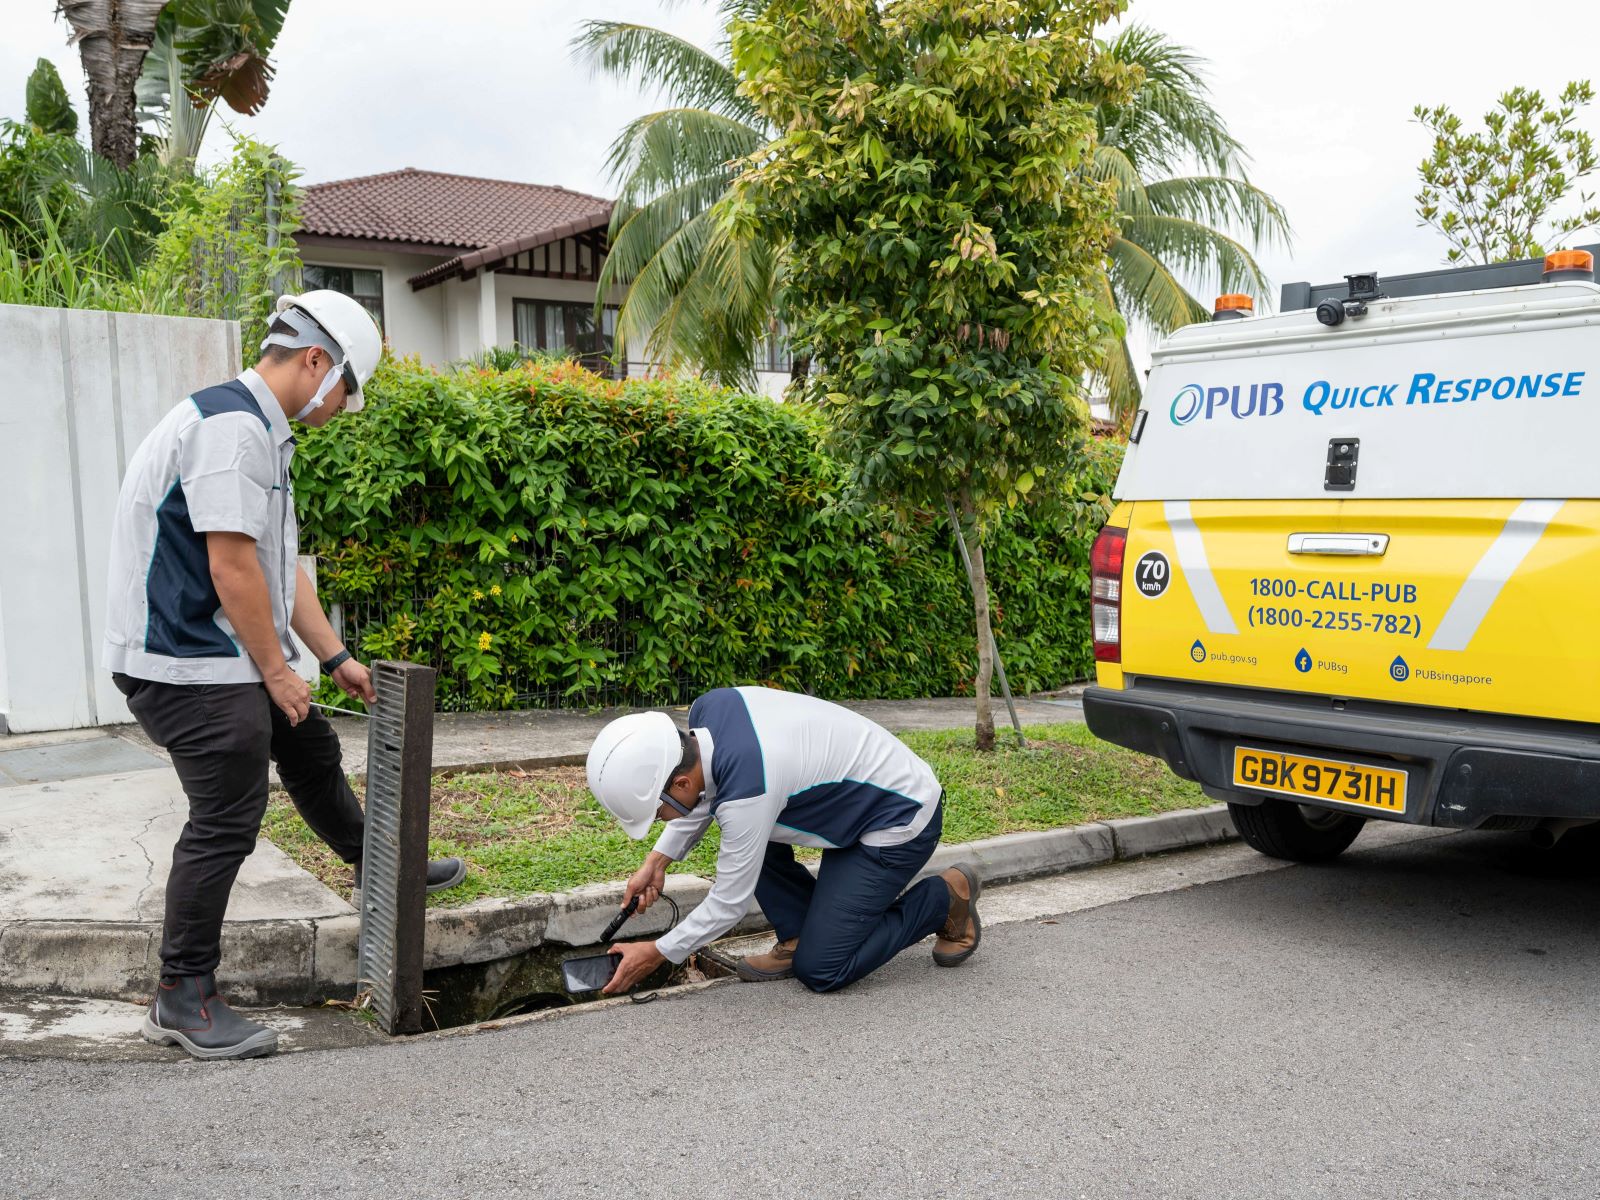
{"type": "Point", "coordinates": [972, 535]}
{"type": "Point", "coordinates": [113, 36]}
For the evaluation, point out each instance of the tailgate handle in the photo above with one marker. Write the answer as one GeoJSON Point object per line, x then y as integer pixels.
{"type": "Point", "coordinates": [1371, 545]}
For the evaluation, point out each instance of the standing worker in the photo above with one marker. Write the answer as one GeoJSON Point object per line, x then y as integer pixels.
{"type": "Point", "coordinates": [204, 589]}
{"type": "Point", "coordinates": [778, 770]}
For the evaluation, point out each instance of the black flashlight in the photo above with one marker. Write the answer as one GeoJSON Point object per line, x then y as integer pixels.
{"type": "Point", "coordinates": [616, 921]}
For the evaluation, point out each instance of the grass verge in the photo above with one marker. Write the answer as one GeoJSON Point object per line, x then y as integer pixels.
{"type": "Point", "coordinates": [541, 831]}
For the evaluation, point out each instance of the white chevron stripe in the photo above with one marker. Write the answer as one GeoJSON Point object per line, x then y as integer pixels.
{"type": "Point", "coordinates": [1191, 548]}
{"type": "Point", "coordinates": [1499, 563]}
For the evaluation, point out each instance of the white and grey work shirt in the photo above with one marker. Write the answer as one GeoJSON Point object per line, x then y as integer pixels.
{"type": "Point", "coordinates": [218, 462]}
{"type": "Point", "coordinates": [785, 767]}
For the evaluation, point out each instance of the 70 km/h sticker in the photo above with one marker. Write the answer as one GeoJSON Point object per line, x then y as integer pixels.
{"type": "Point", "coordinates": [1151, 574]}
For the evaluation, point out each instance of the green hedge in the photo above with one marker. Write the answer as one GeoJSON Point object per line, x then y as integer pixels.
{"type": "Point", "coordinates": [545, 537]}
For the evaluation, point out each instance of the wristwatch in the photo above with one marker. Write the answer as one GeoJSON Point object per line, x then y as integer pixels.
{"type": "Point", "coordinates": [329, 667]}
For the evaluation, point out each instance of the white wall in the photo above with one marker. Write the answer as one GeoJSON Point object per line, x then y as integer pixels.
{"type": "Point", "coordinates": [771, 383]}
{"type": "Point", "coordinates": [82, 390]}
{"type": "Point", "coordinates": [463, 338]}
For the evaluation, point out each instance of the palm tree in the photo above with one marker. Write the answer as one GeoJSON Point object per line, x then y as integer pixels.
{"type": "Point", "coordinates": [1182, 196]}
{"type": "Point", "coordinates": [223, 45]}
{"type": "Point", "coordinates": [113, 39]}
{"type": "Point", "coordinates": [694, 293]}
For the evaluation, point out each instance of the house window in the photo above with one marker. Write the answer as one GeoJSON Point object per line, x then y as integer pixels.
{"type": "Point", "coordinates": [772, 351]}
{"type": "Point", "coordinates": [558, 327]}
{"type": "Point", "coordinates": [363, 286]}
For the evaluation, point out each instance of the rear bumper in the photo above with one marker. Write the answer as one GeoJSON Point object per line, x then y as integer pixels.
{"type": "Point", "coordinates": [1463, 768]}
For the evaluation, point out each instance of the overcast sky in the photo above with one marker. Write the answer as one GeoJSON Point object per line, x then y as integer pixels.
{"type": "Point", "coordinates": [1319, 93]}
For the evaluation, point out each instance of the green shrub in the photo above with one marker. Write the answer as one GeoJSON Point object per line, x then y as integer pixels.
{"type": "Point", "coordinates": [544, 537]}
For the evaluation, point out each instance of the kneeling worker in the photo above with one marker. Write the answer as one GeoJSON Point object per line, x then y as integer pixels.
{"type": "Point", "coordinates": [204, 589]}
{"type": "Point", "coordinates": [778, 770]}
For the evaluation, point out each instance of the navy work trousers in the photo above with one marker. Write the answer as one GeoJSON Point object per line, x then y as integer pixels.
{"type": "Point", "coordinates": [852, 918]}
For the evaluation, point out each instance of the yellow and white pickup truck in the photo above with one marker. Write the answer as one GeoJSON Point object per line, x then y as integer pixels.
{"type": "Point", "coordinates": [1353, 571]}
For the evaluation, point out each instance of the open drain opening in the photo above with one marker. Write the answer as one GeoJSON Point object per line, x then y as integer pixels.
{"type": "Point", "coordinates": [531, 982]}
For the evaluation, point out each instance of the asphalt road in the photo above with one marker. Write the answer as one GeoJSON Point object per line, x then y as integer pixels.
{"type": "Point", "coordinates": [1416, 1020]}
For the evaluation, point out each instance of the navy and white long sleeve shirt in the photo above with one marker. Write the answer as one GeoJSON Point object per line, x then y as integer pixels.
{"type": "Point", "coordinates": [785, 767]}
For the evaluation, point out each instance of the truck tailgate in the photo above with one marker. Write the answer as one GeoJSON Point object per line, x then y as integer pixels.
{"type": "Point", "coordinates": [1484, 605]}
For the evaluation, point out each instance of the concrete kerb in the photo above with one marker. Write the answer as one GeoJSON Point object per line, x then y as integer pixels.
{"type": "Point", "coordinates": [308, 961]}
{"type": "Point", "coordinates": [1138, 837]}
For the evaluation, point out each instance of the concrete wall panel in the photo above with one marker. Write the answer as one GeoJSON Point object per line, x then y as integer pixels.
{"type": "Point", "coordinates": [83, 390]}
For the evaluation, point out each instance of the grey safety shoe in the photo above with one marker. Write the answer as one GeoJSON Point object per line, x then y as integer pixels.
{"type": "Point", "coordinates": [188, 1012]}
{"type": "Point", "coordinates": [442, 873]}
{"type": "Point", "coordinates": [962, 930]}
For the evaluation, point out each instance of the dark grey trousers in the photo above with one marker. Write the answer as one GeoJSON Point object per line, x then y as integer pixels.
{"type": "Point", "coordinates": [221, 737]}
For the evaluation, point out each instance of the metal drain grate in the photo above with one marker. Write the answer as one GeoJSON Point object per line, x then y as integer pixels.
{"type": "Point", "coordinates": [394, 862]}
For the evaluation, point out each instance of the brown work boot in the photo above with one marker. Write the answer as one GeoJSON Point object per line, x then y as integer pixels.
{"type": "Point", "coordinates": [962, 929]}
{"type": "Point", "coordinates": [777, 963]}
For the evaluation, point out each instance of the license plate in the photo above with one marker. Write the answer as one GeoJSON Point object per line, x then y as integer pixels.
{"type": "Point", "coordinates": [1319, 779]}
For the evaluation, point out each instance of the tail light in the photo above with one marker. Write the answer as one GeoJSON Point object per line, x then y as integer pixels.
{"type": "Point", "coordinates": [1105, 593]}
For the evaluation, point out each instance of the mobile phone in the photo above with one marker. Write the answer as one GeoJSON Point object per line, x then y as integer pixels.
{"type": "Point", "coordinates": [589, 973]}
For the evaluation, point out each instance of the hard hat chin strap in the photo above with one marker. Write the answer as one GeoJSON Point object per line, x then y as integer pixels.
{"type": "Point", "coordinates": [674, 805]}
{"type": "Point", "coordinates": [328, 380]}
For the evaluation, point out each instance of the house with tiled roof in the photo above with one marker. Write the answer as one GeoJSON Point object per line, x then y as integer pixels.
{"type": "Point", "coordinates": [451, 264]}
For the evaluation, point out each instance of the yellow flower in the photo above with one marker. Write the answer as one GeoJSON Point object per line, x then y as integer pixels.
{"type": "Point", "coordinates": [483, 641]}
{"type": "Point", "coordinates": [495, 590]}
{"type": "Point", "coordinates": [515, 538]}
{"type": "Point", "coordinates": [476, 594]}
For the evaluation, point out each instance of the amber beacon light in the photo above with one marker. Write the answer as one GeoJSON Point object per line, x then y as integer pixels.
{"type": "Point", "coordinates": [1233, 306]}
{"type": "Point", "coordinates": [1568, 264]}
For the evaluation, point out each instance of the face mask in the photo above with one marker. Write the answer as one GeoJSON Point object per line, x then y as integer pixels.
{"type": "Point", "coordinates": [328, 380]}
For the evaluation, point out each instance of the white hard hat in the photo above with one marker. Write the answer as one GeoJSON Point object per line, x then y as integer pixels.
{"type": "Point", "coordinates": [629, 766]}
{"type": "Point", "coordinates": [350, 328]}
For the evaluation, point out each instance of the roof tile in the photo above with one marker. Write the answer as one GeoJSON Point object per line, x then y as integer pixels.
{"type": "Point", "coordinates": [433, 208]}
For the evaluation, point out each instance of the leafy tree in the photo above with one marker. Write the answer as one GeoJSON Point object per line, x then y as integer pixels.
{"type": "Point", "coordinates": [223, 45]}
{"type": "Point", "coordinates": [1188, 213]}
{"type": "Point", "coordinates": [35, 157]}
{"type": "Point", "coordinates": [1499, 193]}
{"type": "Point", "coordinates": [1186, 209]}
{"type": "Point", "coordinates": [693, 294]}
{"type": "Point", "coordinates": [49, 109]}
{"type": "Point", "coordinates": [226, 251]}
{"type": "Point", "coordinates": [945, 238]}
{"type": "Point", "coordinates": [57, 195]}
